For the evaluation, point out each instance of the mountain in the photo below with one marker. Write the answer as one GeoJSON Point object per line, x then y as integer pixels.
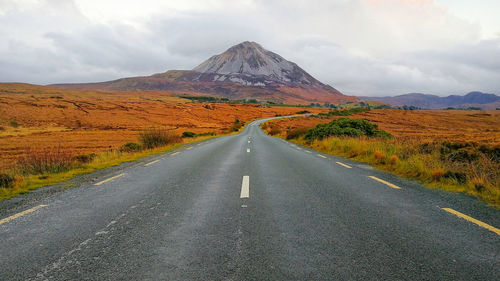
{"type": "Point", "coordinates": [244, 71]}
{"type": "Point", "coordinates": [472, 99]}
{"type": "Point", "coordinates": [250, 64]}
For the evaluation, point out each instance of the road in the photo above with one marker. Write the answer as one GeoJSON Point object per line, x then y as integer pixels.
{"type": "Point", "coordinates": [250, 207]}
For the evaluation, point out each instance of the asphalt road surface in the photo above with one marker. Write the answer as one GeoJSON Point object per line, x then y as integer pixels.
{"type": "Point", "coordinates": [250, 207]}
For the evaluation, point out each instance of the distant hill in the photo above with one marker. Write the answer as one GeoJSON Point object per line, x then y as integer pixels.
{"type": "Point", "coordinates": [244, 71]}
{"type": "Point", "coordinates": [472, 99]}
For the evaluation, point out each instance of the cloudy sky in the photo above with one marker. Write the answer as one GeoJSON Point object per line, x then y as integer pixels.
{"type": "Point", "coordinates": [361, 47]}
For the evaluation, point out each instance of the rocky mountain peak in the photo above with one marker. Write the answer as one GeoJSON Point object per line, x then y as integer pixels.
{"type": "Point", "coordinates": [250, 60]}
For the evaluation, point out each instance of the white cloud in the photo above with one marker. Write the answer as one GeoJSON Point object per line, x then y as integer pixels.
{"type": "Point", "coordinates": [362, 47]}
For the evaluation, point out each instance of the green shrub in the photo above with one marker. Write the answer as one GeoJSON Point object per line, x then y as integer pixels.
{"type": "Point", "coordinates": [207, 134]}
{"type": "Point", "coordinates": [6, 180]}
{"type": "Point", "coordinates": [14, 123]}
{"type": "Point", "coordinates": [155, 137]}
{"type": "Point", "coordinates": [131, 147]}
{"type": "Point", "coordinates": [345, 127]}
{"type": "Point", "coordinates": [188, 135]}
{"type": "Point", "coordinates": [302, 112]}
{"type": "Point", "coordinates": [296, 133]}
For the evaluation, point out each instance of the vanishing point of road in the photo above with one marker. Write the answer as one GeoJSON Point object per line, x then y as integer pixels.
{"type": "Point", "coordinates": [249, 207]}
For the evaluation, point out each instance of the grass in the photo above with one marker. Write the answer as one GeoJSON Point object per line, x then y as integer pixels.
{"type": "Point", "coordinates": [453, 167]}
{"type": "Point", "coordinates": [27, 180]}
{"type": "Point", "coordinates": [157, 137]}
{"type": "Point", "coordinates": [46, 160]}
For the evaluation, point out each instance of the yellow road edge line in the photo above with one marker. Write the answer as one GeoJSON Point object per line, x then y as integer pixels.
{"type": "Point", "coordinates": [385, 182]}
{"type": "Point", "coordinates": [189, 148]}
{"type": "Point", "coordinates": [13, 217]}
{"type": "Point", "coordinates": [151, 163]}
{"type": "Point", "coordinates": [473, 220]}
{"type": "Point", "coordinates": [321, 156]}
{"type": "Point", "coordinates": [344, 165]}
{"type": "Point", "coordinates": [110, 179]}
{"type": "Point", "coordinates": [175, 153]}
{"type": "Point", "coordinates": [307, 151]}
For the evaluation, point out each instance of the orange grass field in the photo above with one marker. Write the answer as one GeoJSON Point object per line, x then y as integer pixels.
{"type": "Point", "coordinates": [33, 117]}
{"type": "Point", "coordinates": [481, 127]}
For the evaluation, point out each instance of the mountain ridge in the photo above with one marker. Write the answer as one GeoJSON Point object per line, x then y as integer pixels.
{"type": "Point", "coordinates": [428, 101]}
{"type": "Point", "coordinates": [245, 70]}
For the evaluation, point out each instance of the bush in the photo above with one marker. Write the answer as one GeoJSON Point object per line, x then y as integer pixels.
{"type": "Point", "coordinates": [462, 156]}
{"type": "Point", "coordinates": [6, 181]}
{"type": "Point", "coordinates": [206, 134]}
{"type": "Point", "coordinates": [274, 131]}
{"type": "Point", "coordinates": [345, 127]}
{"type": "Point", "coordinates": [478, 184]}
{"type": "Point", "coordinates": [393, 160]}
{"type": "Point", "coordinates": [46, 160]}
{"type": "Point", "coordinates": [85, 158]}
{"type": "Point", "coordinates": [491, 152]}
{"type": "Point", "coordinates": [302, 112]}
{"type": "Point", "coordinates": [188, 135]}
{"type": "Point", "coordinates": [236, 125]}
{"type": "Point", "coordinates": [296, 133]}
{"type": "Point", "coordinates": [156, 137]}
{"type": "Point", "coordinates": [14, 124]}
{"type": "Point", "coordinates": [131, 147]}
{"type": "Point", "coordinates": [2, 128]}
{"type": "Point", "coordinates": [458, 176]}
{"type": "Point", "coordinates": [379, 156]}
{"type": "Point", "coordinates": [437, 174]}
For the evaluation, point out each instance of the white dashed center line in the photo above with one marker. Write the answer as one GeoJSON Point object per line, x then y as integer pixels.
{"type": "Point", "coordinates": [245, 187]}
{"type": "Point", "coordinates": [344, 165]}
{"type": "Point", "coordinates": [110, 179]}
{"type": "Point", "coordinates": [151, 163]}
{"type": "Point", "coordinates": [248, 149]}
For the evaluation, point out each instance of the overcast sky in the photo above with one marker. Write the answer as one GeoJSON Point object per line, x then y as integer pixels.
{"type": "Point", "coordinates": [360, 47]}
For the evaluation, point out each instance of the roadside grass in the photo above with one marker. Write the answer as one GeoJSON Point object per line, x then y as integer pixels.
{"type": "Point", "coordinates": [453, 167]}
{"type": "Point", "coordinates": [47, 169]}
